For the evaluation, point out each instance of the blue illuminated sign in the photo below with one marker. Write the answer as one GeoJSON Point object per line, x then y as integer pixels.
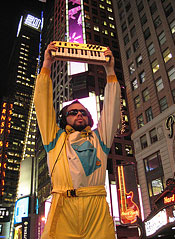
{"type": "Point", "coordinates": [21, 209]}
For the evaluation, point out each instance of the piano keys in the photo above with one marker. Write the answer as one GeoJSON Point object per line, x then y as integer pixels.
{"type": "Point", "coordinates": [76, 52]}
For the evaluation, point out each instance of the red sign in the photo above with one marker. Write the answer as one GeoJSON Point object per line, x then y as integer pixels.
{"type": "Point", "coordinates": [168, 200]}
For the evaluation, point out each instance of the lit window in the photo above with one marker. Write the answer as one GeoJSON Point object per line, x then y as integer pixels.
{"type": "Point", "coordinates": [159, 84]}
{"type": "Point", "coordinates": [172, 26]}
{"type": "Point", "coordinates": [105, 32]}
{"type": "Point", "coordinates": [137, 102]}
{"type": "Point", "coordinates": [167, 55]}
{"type": "Point", "coordinates": [105, 23]}
{"type": "Point", "coordinates": [145, 94]}
{"type": "Point", "coordinates": [108, 2]}
{"type": "Point", "coordinates": [109, 9]}
{"type": "Point", "coordinates": [112, 26]}
{"type": "Point", "coordinates": [111, 18]}
{"type": "Point", "coordinates": [155, 66]}
{"type": "Point", "coordinates": [134, 84]}
{"type": "Point", "coordinates": [140, 121]}
{"type": "Point", "coordinates": [96, 28]}
{"type": "Point", "coordinates": [171, 74]}
{"type": "Point", "coordinates": [149, 114]}
{"type": "Point", "coordinates": [128, 150]}
{"type": "Point", "coordinates": [101, 6]}
{"type": "Point", "coordinates": [131, 68]}
{"type": "Point", "coordinates": [142, 77]}
{"type": "Point", "coordinates": [139, 60]}
{"type": "Point", "coordinates": [157, 186]}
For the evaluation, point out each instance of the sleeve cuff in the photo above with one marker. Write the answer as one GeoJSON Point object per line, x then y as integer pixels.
{"type": "Point", "coordinates": [45, 70]}
{"type": "Point", "coordinates": [112, 78]}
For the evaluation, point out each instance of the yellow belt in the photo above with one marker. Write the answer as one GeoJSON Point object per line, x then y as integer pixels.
{"type": "Point", "coordinates": [80, 192]}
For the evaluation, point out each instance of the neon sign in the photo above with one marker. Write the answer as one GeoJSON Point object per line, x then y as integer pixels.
{"type": "Point", "coordinates": [168, 200]}
{"type": "Point", "coordinates": [33, 22]}
{"type": "Point", "coordinates": [129, 210]}
{"type": "Point", "coordinates": [5, 125]}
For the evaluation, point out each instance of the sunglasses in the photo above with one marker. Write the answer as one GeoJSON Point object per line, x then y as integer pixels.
{"type": "Point", "coordinates": [74, 112]}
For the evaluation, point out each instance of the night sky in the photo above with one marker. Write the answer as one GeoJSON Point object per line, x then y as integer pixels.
{"type": "Point", "coordinates": [11, 12]}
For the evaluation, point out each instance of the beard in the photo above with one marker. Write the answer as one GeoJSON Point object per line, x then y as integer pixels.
{"type": "Point", "coordinates": [79, 127]}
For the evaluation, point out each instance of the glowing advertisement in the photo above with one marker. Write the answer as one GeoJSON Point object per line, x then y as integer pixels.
{"type": "Point", "coordinates": [21, 209]}
{"type": "Point", "coordinates": [75, 32]}
{"type": "Point", "coordinates": [128, 194]}
{"type": "Point", "coordinates": [32, 22]}
{"type": "Point", "coordinates": [91, 105]}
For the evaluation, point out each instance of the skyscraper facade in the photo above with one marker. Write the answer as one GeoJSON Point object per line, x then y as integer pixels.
{"type": "Point", "coordinates": [146, 31]}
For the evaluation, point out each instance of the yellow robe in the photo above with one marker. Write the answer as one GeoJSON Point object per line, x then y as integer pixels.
{"type": "Point", "coordinates": [85, 216]}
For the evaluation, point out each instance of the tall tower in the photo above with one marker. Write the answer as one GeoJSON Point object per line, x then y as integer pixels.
{"type": "Point", "coordinates": [18, 121]}
{"type": "Point", "coordinates": [146, 31]}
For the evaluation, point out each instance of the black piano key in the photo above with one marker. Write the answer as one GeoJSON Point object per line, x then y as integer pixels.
{"type": "Point", "coordinates": [82, 52]}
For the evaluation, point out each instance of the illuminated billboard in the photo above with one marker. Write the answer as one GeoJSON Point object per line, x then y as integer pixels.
{"type": "Point", "coordinates": [89, 103]}
{"type": "Point", "coordinates": [21, 209]}
{"type": "Point", "coordinates": [32, 22]}
{"type": "Point", "coordinates": [75, 31]}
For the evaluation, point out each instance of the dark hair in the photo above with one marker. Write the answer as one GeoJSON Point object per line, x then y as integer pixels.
{"type": "Point", "coordinates": [62, 115]}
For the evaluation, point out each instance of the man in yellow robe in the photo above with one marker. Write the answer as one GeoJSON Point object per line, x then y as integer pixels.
{"type": "Point", "coordinates": [77, 158]}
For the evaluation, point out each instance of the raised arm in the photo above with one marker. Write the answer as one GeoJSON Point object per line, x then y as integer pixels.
{"type": "Point", "coordinates": [110, 115]}
{"type": "Point", "coordinates": [43, 100]}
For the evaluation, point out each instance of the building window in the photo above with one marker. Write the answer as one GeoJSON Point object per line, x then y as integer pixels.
{"type": "Point", "coordinates": [126, 39]}
{"type": "Point", "coordinates": [159, 84]}
{"type": "Point", "coordinates": [131, 68]}
{"type": "Point", "coordinates": [118, 149]}
{"type": "Point", "coordinates": [167, 55]}
{"type": "Point", "coordinates": [134, 84]}
{"type": "Point", "coordinates": [124, 26]}
{"type": "Point", "coordinates": [128, 53]}
{"type": "Point", "coordinates": [173, 94]}
{"type": "Point", "coordinates": [153, 136]}
{"type": "Point", "coordinates": [157, 186]}
{"type": "Point", "coordinates": [172, 26]}
{"type": "Point", "coordinates": [143, 19]}
{"type": "Point", "coordinates": [130, 19]}
{"type": "Point", "coordinates": [140, 6]}
{"type": "Point", "coordinates": [152, 162]}
{"type": "Point", "coordinates": [133, 32]}
{"type": "Point", "coordinates": [153, 8]}
{"type": "Point", "coordinates": [151, 49]}
{"type": "Point", "coordinates": [149, 114]}
{"type": "Point", "coordinates": [143, 141]}
{"type": "Point", "coordinates": [137, 102]}
{"type": "Point", "coordinates": [171, 74]}
{"type": "Point", "coordinates": [142, 77]}
{"type": "Point", "coordinates": [136, 45]}
{"type": "Point", "coordinates": [163, 104]}
{"type": "Point", "coordinates": [139, 60]}
{"type": "Point", "coordinates": [128, 150]}
{"type": "Point", "coordinates": [145, 94]}
{"type": "Point", "coordinates": [168, 10]}
{"type": "Point", "coordinates": [157, 22]}
{"type": "Point", "coordinates": [140, 121]}
{"type": "Point", "coordinates": [96, 28]}
{"type": "Point", "coordinates": [162, 38]}
{"type": "Point", "coordinates": [155, 66]}
{"type": "Point", "coordinates": [147, 33]}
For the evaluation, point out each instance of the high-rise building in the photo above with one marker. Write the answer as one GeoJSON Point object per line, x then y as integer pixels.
{"type": "Point", "coordinates": [91, 22]}
{"type": "Point", "coordinates": [146, 31]}
{"type": "Point", "coordinates": [18, 120]}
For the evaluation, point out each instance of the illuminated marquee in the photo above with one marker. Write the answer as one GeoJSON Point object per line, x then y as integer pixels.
{"type": "Point", "coordinates": [33, 22]}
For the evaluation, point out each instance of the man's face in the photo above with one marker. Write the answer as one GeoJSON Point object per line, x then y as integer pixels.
{"type": "Point", "coordinates": [77, 116]}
